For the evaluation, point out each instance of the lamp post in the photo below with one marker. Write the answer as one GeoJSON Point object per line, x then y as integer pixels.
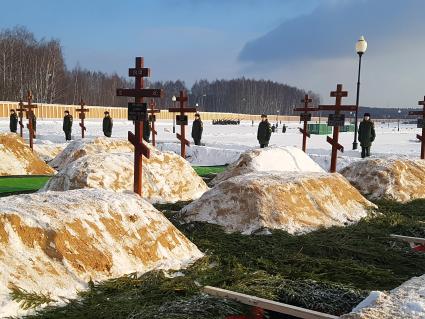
{"type": "Point", "coordinates": [174, 99]}
{"type": "Point", "coordinates": [277, 116]}
{"type": "Point", "coordinates": [398, 120]}
{"type": "Point", "coordinates": [361, 47]}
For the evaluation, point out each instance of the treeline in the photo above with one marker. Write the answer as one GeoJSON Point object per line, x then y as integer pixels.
{"type": "Point", "coordinates": [38, 65]}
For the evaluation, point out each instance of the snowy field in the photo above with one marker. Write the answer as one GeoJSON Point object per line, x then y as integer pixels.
{"type": "Point", "coordinates": [223, 144]}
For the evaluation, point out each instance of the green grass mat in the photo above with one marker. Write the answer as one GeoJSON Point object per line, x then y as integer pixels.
{"type": "Point", "coordinates": [9, 185]}
{"type": "Point", "coordinates": [207, 170]}
{"type": "Point", "coordinates": [329, 270]}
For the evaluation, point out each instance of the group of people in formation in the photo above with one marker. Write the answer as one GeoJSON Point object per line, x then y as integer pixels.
{"type": "Point", "coordinates": [366, 133]}
{"type": "Point", "coordinates": [366, 129]}
{"type": "Point", "coordinates": [107, 124]}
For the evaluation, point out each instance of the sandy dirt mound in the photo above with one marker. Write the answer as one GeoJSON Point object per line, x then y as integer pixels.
{"type": "Point", "coordinates": [295, 202]}
{"type": "Point", "coordinates": [16, 158]}
{"type": "Point", "coordinates": [90, 146]}
{"type": "Point", "coordinates": [270, 159]}
{"type": "Point", "coordinates": [406, 301]}
{"type": "Point", "coordinates": [401, 180]}
{"type": "Point", "coordinates": [167, 178]}
{"type": "Point", "coordinates": [55, 242]}
{"type": "Point", "coordinates": [47, 152]}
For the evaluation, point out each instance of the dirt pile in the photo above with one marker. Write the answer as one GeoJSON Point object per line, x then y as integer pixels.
{"type": "Point", "coordinates": [16, 158]}
{"type": "Point", "coordinates": [295, 202]}
{"type": "Point", "coordinates": [401, 179]}
{"type": "Point", "coordinates": [54, 242]}
{"type": "Point", "coordinates": [167, 178]}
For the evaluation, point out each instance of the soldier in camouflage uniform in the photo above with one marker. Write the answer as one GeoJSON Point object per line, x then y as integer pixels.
{"type": "Point", "coordinates": [197, 129]}
{"type": "Point", "coordinates": [264, 132]}
{"type": "Point", "coordinates": [366, 135]}
{"type": "Point", "coordinates": [107, 124]}
{"type": "Point", "coordinates": [67, 125]}
{"type": "Point", "coordinates": [13, 123]}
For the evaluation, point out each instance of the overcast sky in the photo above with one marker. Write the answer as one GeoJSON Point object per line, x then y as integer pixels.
{"type": "Point", "coordinates": [307, 43]}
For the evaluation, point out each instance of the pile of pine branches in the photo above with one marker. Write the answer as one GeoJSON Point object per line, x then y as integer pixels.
{"type": "Point", "coordinates": [329, 270]}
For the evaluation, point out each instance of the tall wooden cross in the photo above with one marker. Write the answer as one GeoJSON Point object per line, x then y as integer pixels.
{"type": "Point", "coordinates": [305, 116]}
{"type": "Point", "coordinates": [30, 115]}
{"type": "Point", "coordinates": [336, 120]}
{"type": "Point", "coordinates": [137, 113]}
{"type": "Point", "coordinates": [421, 123]}
{"type": "Point", "coordinates": [82, 115]}
{"type": "Point", "coordinates": [21, 111]}
{"type": "Point", "coordinates": [182, 120]}
{"type": "Point", "coordinates": [152, 119]}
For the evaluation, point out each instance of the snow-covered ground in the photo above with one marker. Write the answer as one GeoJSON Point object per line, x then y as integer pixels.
{"type": "Point", "coordinates": [224, 144]}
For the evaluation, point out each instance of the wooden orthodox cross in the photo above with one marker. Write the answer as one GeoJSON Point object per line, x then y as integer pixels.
{"type": "Point", "coordinates": [21, 111]}
{"type": "Point", "coordinates": [137, 113]}
{"type": "Point", "coordinates": [152, 119]}
{"type": "Point", "coordinates": [82, 115]}
{"type": "Point", "coordinates": [336, 120]}
{"type": "Point", "coordinates": [182, 120]}
{"type": "Point", "coordinates": [305, 116]}
{"type": "Point", "coordinates": [421, 122]}
{"type": "Point", "coordinates": [30, 115]}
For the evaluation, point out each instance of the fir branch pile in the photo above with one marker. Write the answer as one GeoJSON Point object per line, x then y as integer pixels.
{"type": "Point", "coordinates": [329, 270]}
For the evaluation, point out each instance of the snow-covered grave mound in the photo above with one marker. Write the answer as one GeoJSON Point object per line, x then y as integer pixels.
{"type": "Point", "coordinates": [167, 177]}
{"type": "Point", "coordinates": [204, 155]}
{"type": "Point", "coordinates": [270, 159]}
{"type": "Point", "coordinates": [55, 242]}
{"type": "Point", "coordinates": [406, 301]}
{"type": "Point", "coordinates": [90, 146]}
{"type": "Point", "coordinates": [48, 151]}
{"type": "Point", "coordinates": [16, 158]}
{"type": "Point", "coordinates": [296, 202]}
{"type": "Point", "coordinates": [391, 178]}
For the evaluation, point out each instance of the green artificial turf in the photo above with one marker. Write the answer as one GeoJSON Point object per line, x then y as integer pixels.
{"type": "Point", "coordinates": [208, 170]}
{"type": "Point", "coordinates": [10, 185]}
{"type": "Point", "coordinates": [329, 270]}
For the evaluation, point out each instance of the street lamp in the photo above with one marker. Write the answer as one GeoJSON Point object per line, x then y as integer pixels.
{"type": "Point", "coordinates": [277, 116]}
{"type": "Point", "coordinates": [398, 120]}
{"type": "Point", "coordinates": [174, 99]}
{"type": "Point", "coordinates": [361, 47]}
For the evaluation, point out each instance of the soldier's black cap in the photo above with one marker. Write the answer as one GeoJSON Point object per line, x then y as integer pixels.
{"type": "Point", "coordinates": [263, 115]}
{"type": "Point", "coordinates": [367, 114]}
{"type": "Point", "coordinates": [12, 110]}
{"type": "Point", "coordinates": [66, 111]}
{"type": "Point", "coordinates": [106, 112]}
{"type": "Point", "coordinates": [197, 115]}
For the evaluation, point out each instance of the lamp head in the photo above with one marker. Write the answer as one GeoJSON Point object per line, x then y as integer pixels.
{"type": "Point", "coordinates": [361, 46]}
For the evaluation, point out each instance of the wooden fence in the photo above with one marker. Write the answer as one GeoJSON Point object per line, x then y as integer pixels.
{"type": "Point", "coordinates": [56, 111]}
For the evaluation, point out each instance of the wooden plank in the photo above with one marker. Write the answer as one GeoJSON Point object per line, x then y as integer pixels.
{"type": "Point", "coordinates": [408, 239]}
{"type": "Point", "coordinates": [268, 304]}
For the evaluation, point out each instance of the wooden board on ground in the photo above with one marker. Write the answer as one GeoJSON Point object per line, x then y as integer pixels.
{"type": "Point", "coordinates": [415, 240]}
{"type": "Point", "coordinates": [268, 304]}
